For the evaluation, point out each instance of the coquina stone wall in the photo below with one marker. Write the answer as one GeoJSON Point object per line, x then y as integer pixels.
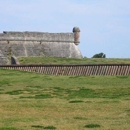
{"type": "Point", "coordinates": [24, 44]}
{"type": "Point", "coordinates": [3, 59]}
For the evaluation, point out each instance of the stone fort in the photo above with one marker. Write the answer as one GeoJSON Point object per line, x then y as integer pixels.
{"type": "Point", "coordinates": [25, 44]}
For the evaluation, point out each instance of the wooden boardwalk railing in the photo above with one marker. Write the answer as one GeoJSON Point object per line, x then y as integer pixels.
{"type": "Point", "coordinates": [74, 70]}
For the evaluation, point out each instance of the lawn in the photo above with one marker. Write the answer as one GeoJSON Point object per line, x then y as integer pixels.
{"type": "Point", "coordinates": [31, 101]}
{"type": "Point", "coordinates": [54, 60]}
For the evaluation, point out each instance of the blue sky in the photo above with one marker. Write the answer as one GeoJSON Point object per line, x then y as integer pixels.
{"type": "Point", "coordinates": [104, 24]}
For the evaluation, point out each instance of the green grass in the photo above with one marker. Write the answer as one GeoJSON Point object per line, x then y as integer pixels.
{"type": "Point", "coordinates": [54, 60]}
{"type": "Point", "coordinates": [8, 128]}
{"type": "Point", "coordinates": [34, 101]}
{"type": "Point", "coordinates": [92, 126]}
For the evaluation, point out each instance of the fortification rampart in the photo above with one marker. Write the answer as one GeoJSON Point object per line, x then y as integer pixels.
{"type": "Point", "coordinates": [37, 36]}
{"type": "Point", "coordinates": [22, 44]}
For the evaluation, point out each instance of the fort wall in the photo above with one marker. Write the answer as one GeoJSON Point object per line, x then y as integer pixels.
{"type": "Point", "coordinates": [24, 44]}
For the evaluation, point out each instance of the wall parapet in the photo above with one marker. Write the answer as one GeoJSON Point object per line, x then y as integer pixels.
{"type": "Point", "coordinates": [32, 36]}
{"type": "Point", "coordinates": [73, 37]}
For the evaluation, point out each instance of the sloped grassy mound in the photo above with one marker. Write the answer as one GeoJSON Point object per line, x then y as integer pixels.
{"type": "Point", "coordinates": [54, 60]}
{"type": "Point", "coordinates": [30, 101]}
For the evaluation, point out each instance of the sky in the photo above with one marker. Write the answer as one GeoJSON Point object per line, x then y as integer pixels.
{"type": "Point", "coordinates": [104, 24]}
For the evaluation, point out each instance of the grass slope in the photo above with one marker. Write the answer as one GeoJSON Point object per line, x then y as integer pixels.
{"type": "Point", "coordinates": [54, 60]}
{"type": "Point", "coordinates": [30, 101]}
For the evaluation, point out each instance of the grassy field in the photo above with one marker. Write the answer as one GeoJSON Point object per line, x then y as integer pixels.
{"type": "Point", "coordinates": [54, 60]}
{"type": "Point", "coordinates": [30, 101]}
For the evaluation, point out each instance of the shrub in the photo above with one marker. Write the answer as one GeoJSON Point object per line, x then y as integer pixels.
{"type": "Point", "coordinates": [100, 55]}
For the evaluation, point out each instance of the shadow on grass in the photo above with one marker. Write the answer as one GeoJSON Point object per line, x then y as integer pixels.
{"type": "Point", "coordinates": [76, 101]}
{"type": "Point", "coordinates": [46, 127]}
{"type": "Point", "coordinates": [15, 92]}
{"type": "Point", "coordinates": [8, 128]}
{"type": "Point", "coordinates": [80, 118]}
{"type": "Point", "coordinates": [92, 126]}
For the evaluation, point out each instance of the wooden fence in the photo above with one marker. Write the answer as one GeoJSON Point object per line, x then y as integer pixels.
{"type": "Point", "coordinates": [74, 70]}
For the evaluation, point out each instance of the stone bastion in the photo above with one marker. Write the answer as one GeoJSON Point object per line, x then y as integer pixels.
{"type": "Point", "coordinates": [25, 44]}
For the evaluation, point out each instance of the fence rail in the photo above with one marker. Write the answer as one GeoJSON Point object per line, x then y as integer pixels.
{"type": "Point", "coordinates": [74, 70]}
